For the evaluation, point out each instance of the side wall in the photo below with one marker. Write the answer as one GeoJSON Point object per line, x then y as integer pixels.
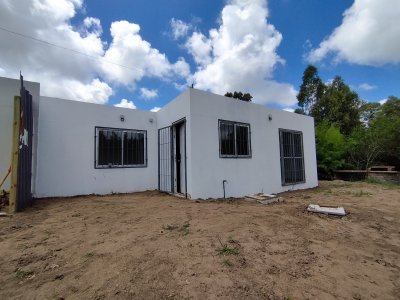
{"type": "Point", "coordinates": [176, 110]}
{"type": "Point", "coordinates": [261, 172]}
{"type": "Point", "coordinates": [66, 151]}
{"type": "Point", "coordinates": [8, 89]}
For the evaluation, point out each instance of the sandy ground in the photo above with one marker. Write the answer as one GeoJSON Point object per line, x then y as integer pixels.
{"type": "Point", "coordinates": [154, 246]}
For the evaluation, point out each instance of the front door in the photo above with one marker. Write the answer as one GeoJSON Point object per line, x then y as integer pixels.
{"type": "Point", "coordinates": [172, 158]}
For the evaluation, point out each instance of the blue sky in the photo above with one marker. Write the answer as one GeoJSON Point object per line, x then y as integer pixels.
{"type": "Point", "coordinates": [142, 54]}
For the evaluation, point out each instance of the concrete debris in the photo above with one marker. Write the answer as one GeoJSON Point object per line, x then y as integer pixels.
{"type": "Point", "coordinates": [264, 198]}
{"type": "Point", "coordinates": [337, 211]}
{"type": "Point", "coordinates": [3, 214]}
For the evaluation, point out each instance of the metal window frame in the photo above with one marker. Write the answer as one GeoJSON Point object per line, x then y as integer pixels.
{"type": "Point", "coordinates": [234, 123]}
{"type": "Point", "coordinates": [282, 157]}
{"type": "Point", "coordinates": [121, 166]}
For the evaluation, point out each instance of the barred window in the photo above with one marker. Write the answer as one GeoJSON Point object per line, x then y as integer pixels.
{"type": "Point", "coordinates": [234, 139]}
{"type": "Point", "coordinates": [292, 157]}
{"type": "Point", "coordinates": [120, 148]}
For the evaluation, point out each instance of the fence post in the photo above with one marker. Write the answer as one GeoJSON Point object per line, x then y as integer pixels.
{"type": "Point", "coordinates": [14, 155]}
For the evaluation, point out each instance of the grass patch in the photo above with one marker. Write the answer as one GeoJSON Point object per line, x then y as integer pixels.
{"type": "Point", "coordinates": [386, 184]}
{"type": "Point", "coordinates": [22, 274]}
{"type": "Point", "coordinates": [88, 255]}
{"type": "Point", "coordinates": [230, 248]}
{"type": "Point", "coordinates": [227, 263]}
{"type": "Point", "coordinates": [184, 228]}
{"type": "Point", "coordinates": [170, 227]}
{"type": "Point", "coordinates": [360, 194]}
{"type": "Point", "coordinates": [342, 185]}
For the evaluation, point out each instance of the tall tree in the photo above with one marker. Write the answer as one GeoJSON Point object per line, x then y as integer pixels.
{"type": "Point", "coordinates": [387, 124]}
{"type": "Point", "coordinates": [368, 112]}
{"type": "Point", "coordinates": [330, 149]}
{"type": "Point", "coordinates": [311, 90]}
{"type": "Point", "coordinates": [339, 105]}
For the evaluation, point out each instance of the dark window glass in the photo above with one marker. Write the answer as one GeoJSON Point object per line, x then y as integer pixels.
{"type": "Point", "coordinates": [242, 140]}
{"type": "Point", "coordinates": [234, 139]}
{"type": "Point", "coordinates": [133, 148]}
{"type": "Point", "coordinates": [292, 159]}
{"type": "Point", "coordinates": [120, 147]}
{"type": "Point", "coordinates": [227, 139]}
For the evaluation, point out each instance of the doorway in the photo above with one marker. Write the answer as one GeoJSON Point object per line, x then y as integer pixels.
{"type": "Point", "coordinates": [172, 158]}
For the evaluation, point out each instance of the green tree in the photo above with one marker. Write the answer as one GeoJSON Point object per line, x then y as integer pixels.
{"type": "Point", "coordinates": [339, 105]}
{"type": "Point", "coordinates": [330, 149]}
{"type": "Point", "coordinates": [311, 90]}
{"type": "Point", "coordinates": [239, 95]}
{"type": "Point", "coordinates": [368, 111]}
{"type": "Point", "coordinates": [364, 146]}
{"type": "Point", "coordinates": [387, 125]}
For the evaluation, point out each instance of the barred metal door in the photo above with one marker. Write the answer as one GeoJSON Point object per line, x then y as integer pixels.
{"type": "Point", "coordinates": [165, 160]}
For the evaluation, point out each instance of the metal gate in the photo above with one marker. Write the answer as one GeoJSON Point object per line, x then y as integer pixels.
{"type": "Point", "coordinates": [21, 192]}
{"type": "Point", "coordinates": [165, 160]}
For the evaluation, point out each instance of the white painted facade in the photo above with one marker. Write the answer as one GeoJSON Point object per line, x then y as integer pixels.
{"type": "Point", "coordinates": [66, 152]}
{"type": "Point", "coordinates": [66, 146]}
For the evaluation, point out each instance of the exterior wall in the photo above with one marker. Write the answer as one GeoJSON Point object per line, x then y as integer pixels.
{"type": "Point", "coordinates": [178, 109]}
{"type": "Point", "coordinates": [8, 89]}
{"type": "Point", "coordinates": [66, 152]}
{"type": "Point", "coordinates": [261, 172]}
{"type": "Point", "coordinates": [64, 145]}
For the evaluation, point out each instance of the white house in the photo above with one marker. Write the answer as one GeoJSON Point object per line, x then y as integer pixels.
{"type": "Point", "coordinates": [200, 145]}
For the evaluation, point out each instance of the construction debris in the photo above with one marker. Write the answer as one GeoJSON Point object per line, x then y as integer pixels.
{"type": "Point", "coordinates": [337, 211]}
{"type": "Point", "coordinates": [264, 198]}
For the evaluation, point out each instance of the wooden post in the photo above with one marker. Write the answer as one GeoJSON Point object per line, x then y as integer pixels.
{"type": "Point", "coordinates": [14, 155]}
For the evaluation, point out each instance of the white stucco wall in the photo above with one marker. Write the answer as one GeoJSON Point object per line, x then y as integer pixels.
{"type": "Point", "coordinates": [261, 172]}
{"type": "Point", "coordinates": [64, 145]}
{"type": "Point", "coordinates": [8, 89]}
{"type": "Point", "coordinates": [66, 152]}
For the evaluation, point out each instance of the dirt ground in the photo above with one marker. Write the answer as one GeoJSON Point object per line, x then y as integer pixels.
{"type": "Point", "coordinates": [155, 246]}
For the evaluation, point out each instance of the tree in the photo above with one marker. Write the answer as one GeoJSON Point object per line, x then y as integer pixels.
{"type": "Point", "coordinates": [387, 125]}
{"type": "Point", "coordinates": [368, 111]}
{"type": "Point", "coordinates": [364, 146]}
{"type": "Point", "coordinates": [379, 140]}
{"type": "Point", "coordinates": [330, 149]}
{"type": "Point", "coordinates": [299, 111]}
{"type": "Point", "coordinates": [311, 90]}
{"type": "Point", "coordinates": [239, 95]}
{"type": "Point", "coordinates": [339, 105]}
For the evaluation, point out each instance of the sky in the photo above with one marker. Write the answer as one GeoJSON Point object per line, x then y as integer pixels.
{"type": "Point", "coordinates": [142, 54]}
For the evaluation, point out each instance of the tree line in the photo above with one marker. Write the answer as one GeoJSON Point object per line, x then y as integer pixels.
{"type": "Point", "coordinates": [350, 133]}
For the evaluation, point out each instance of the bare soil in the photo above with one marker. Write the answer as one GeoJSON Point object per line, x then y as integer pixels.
{"type": "Point", "coordinates": [155, 246]}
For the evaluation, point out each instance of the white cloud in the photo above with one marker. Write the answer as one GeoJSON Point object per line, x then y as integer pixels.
{"type": "Point", "coordinates": [179, 28]}
{"type": "Point", "coordinates": [129, 49]}
{"type": "Point", "coordinates": [200, 48]}
{"type": "Point", "coordinates": [369, 35]}
{"type": "Point", "coordinates": [240, 54]}
{"type": "Point", "coordinates": [383, 101]}
{"type": "Point", "coordinates": [367, 87]}
{"type": "Point", "coordinates": [62, 73]}
{"type": "Point", "coordinates": [126, 104]}
{"type": "Point", "coordinates": [155, 109]}
{"type": "Point", "coordinates": [148, 93]}
{"type": "Point", "coordinates": [93, 25]}
{"type": "Point", "coordinates": [288, 109]}
{"type": "Point", "coordinates": [87, 75]}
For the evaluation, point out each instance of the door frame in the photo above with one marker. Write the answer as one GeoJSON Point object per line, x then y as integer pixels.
{"type": "Point", "coordinates": [172, 129]}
